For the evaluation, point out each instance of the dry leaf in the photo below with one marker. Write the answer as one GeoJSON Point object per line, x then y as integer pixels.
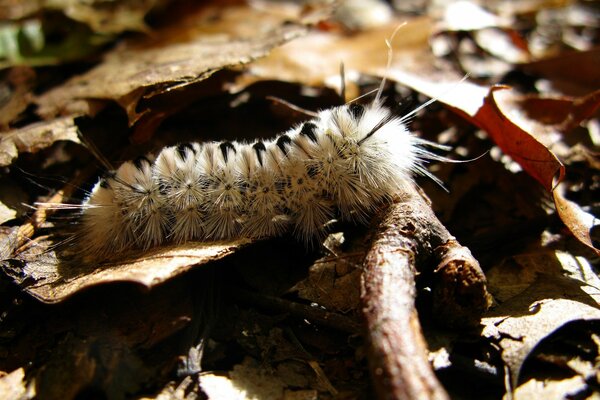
{"type": "Point", "coordinates": [185, 390]}
{"type": "Point", "coordinates": [18, 84]}
{"type": "Point", "coordinates": [564, 111]}
{"type": "Point", "coordinates": [334, 285]}
{"type": "Point", "coordinates": [250, 380]}
{"type": "Point", "coordinates": [556, 389]}
{"type": "Point", "coordinates": [535, 158]}
{"type": "Point", "coordinates": [247, 381]}
{"type": "Point", "coordinates": [106, 17]}
{"type": "Point", "coordinates": [35, 137]}
{"type": "Point", "coordinates": [170, 59]}
{"type": "Point", "coordinates": [468, 16]}
{"type": "Point", "coordinates": [538, 293]}
{"type": "Point", "coordinates": [560, 69]}
{"type": "Point", "coordinates": [14, 387]}
{"type": "Point", "coordinates": [315, 59]}
{"type": "Point", "coordinates": [493, 112]}
{"type": "Point", "coordinates": [51, 280]}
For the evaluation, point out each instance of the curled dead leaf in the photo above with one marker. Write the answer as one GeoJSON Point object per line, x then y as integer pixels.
{"type": "Point", "coordinates": [538, 294]}
{"type": "Point", "coordinates": [35, 137]}
{"type": "Point", "coordinates": [521, 138]}
{"type": "Point", "coordinates": [51, 280]}
{"type": "Point", "coordinates": [207, 39]}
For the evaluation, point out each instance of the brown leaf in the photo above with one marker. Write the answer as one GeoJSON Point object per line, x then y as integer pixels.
{"type": "Point", "coordinates": [108, 17]}
{"type": "Point", "coordinates": [519, 137]}
{"type": "Point", "coordinates": [315, 59]}
{"type": "Point", "coordinates": [35, 137]}
{"type": "Point", "coordinates": [18, 84]}
{"type": "Point", "coordinates": [327, 288]}
{"type": "Point", "coordinates": [564, 111]}
{"type": "Point", "coordinates": [524, 148]}
{"type": "Point", "coordinates": [52, 280]}
{"type": "Point", "coordinates": [14, 387]}
{"type": "Point", "coordinates": [578, 69]}
{"type": "Point", "coordinates": [468, 16]}
{"type": "Point", "coordinates": [537, 160]}
{"type": "Point", "coordinates": [170, 59]}
{"type": "Point", "coordinates": [539, 293]}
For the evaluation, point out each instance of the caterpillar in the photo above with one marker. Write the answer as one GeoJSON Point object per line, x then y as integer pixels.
{"type": "Point", "coordinates": [345, 162]}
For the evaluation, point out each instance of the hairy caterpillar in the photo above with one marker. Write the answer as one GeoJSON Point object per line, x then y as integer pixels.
{"type": "Point", "coordinates": [344, 162]}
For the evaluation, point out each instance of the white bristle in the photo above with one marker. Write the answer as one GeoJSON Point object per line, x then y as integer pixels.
{"type": "Point", "coordinates": [344, 163]}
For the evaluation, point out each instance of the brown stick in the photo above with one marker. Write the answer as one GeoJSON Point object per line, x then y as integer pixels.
{"type": "Point", "coordinates": [410, 235]}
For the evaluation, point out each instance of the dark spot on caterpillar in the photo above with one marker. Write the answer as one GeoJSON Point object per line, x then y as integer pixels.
{"type": "Point", "coordinates": [284, 140]}
{"type": "Point", "coordinates": [225, 147]}
{"type": "Point", "coordinates": [280, 185]}
{"type": "Point", "coordinates": [204, 184]}
{"type": "Point", "coordinates": [138, 162]}
{"type": "Point", "coordinates": [181, 149]}
{"type": "Point", "coordinates": [164, 190]}
{"type": "Point", "coordinates": [356, 110]}
{"type": "Point", "coordinates": [312, 171]}
{"type": "Point", "coordinates": [104, 183]}
{"type": "Point", "coordinates": [259, 148]}
{"type": "Point", "coordinates": [308, 129]}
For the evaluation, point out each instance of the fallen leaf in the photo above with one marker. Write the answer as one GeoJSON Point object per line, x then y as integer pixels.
{"type": "Point", "coordinates": [107, 17]}
{"type": "Point", "coordinates": [565, 112]}
{"type": "Point", "coordinates": [579, 222]}
{"type": "Point", "coordinates": [11, 200]}
{"type": "Point", "coordinates": [172, 59]}
{"type": "Point", "coordinates": [14, 387]}
{"type": "Point", "coordinates": [35, 137]}
{"type": "Point", "coordinates": [536, 159]}
{"type": "Point", "coordinates": [247, 381]}
{"type": "Point", "coordinates": [498, 120]}
{"type": "Point", "coordinates": [554, 389]}
{"type": "Point", "coordinates": [538, 294]}
{"type": "Point", "coordinates": [184, 390]}
{"type": "Point", "coordinates": [17, 9]}
{"type": "Point", "coordinates": [491, 110]}
{"type": "Point", "coordinates": [18, 84]}
{"type": "Point", "coordinates": [328, 288]}
{"type": "Point", "coordinates": [315, 59]}
{"type": "Point", "coordinates": [51, 280]}
{"type": "Point", "coordinates": [250, 380]}
{"type": "Point", "coordinates": [559, 69]}
{"type": "Point", "coordinates": [6, 213]}
{"type": "Point", "coordinates": [468, 16]}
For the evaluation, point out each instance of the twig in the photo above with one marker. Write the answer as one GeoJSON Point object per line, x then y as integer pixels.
{"type": "Point", "coordinates": [408, 237]}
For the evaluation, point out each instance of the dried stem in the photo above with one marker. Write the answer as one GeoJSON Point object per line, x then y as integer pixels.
{"type": "Point", "coordinates": [410, 236]}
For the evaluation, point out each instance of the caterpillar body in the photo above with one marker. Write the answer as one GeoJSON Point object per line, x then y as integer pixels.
{"type": "Point", "coordinates": [345, 163]}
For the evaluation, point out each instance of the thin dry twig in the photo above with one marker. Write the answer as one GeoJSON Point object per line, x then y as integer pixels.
{"type": "Point", "coordinates": [410, 236]}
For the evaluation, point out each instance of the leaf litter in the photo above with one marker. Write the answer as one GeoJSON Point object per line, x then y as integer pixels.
{"type": "Point", "coordinates": [541, 285]}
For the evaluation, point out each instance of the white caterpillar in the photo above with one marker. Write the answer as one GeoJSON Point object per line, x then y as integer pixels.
{"type": "Point", "coordinates": [345, 162]}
